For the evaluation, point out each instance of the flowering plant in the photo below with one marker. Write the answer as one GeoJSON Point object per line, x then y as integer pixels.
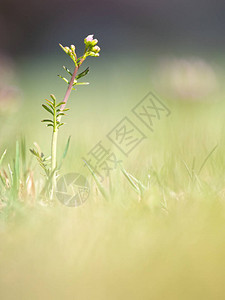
{"type": "Point", "coordinates": [57, 110]}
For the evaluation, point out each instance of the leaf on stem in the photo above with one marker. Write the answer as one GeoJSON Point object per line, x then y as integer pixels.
{"type": "Point", "coordinates": [67, 70]}
{"type": "Point", "coordinates": [82, 74]}
{"type": "Point", "coordinates": [48, 109]}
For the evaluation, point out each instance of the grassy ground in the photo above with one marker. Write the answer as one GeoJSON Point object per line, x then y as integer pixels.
{"type": "Point", "coordinates": [165, 243]}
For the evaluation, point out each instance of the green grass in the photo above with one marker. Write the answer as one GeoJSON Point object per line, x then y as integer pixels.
{"type": "Point", "coordinates": [159, 232]}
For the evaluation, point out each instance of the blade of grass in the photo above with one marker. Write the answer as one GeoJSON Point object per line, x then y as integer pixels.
{"type": "Point", "coordinates": [97, 181]}
{"type": "Point", "coordinates": [131, 181]}
{"type": "Point", "coordinates": [65, 152]}
{"type": "Point", "coordinates": [206, 159]}
{"type": "Point", "coordinates": [2, 157]}
{"type": "Point", "coordinates": [188, 170]}
{"type": "Point", "coordinates": [23, 156]}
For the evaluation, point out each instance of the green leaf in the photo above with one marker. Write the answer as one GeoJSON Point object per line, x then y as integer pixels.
{"type": "Point", "coordinates": [82, 83]}
{"type": "Point", "coordinates": [65, 151]}
{"type": "Point", "coordinates": [67, 70]}
{"type": "Point", "coordinates": [16, 172]}
{"type": "Point", "coordinates": [60, 114]}
{"type": "Point", "coordinates": [4, 180]}
{"type": "Point", "coordinates": [48, 109]}
{"type": "Point", "coordinates": [98, 183]}
{"type": "Point", "coordinates": [63, 78]}
{"type": "Point", "coordinates": [82, 74]}
{"type": "Point", "coordinates": [42, 160]}
{"type": "Point", "coordinates": [60, 103]}
{"type": "Point", "coordinates": [2, 157]}
{"type": "Point", "coordinates": [47, 120]}
{"type": "Point", "coordinates": [60, 125]}
{"type": "Point", "coordinates": [51, 105]}
{"type": "Point", "coordinates": [205, 160]}
{"type": "Point", "coordinates": [35, 153]}
{"type": "Point", "coordinates": [23, 156]}
{"type": "Point", "coordinates": [49, 101]}
{"type": "Point", "coordinates": [131, 181]}
{"type": "Point", "coordinates": [53, 98]}
{"type": "Point", "coordinates": [188, 170]}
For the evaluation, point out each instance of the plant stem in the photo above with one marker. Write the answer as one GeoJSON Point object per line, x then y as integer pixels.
{"type": "Point", "coordinates": [55, 129]}
{"type": "Point", "coordinates": [53, 160]}
{"type": "Point", "coordinates": [69, 89]}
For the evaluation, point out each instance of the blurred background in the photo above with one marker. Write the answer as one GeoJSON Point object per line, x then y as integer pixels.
{"type": "Point", "coordinates": [172, 47]}
{"type": "Point", "coordinates": [31, 28]}
{"type": "Point", "coordinates": [168, 246]}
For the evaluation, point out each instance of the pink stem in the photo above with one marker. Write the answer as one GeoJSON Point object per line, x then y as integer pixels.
{"type": "Point", "coordinates": [71, 84]}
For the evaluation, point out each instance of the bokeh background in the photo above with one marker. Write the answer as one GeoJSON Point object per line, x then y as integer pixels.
{"type": "Point", "coordinates": [169, 245]}
{"type": "Point", "coordinates": [30, 27]}
{"type": "Point", "coordinates": [173, 48]}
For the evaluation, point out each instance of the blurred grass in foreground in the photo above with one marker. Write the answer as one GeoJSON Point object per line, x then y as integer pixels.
{"type": "Point", "coordinates": [170, 245]}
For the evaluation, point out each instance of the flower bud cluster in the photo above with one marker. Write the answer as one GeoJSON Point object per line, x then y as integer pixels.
{"type": "Point", "coordinates": [91, 49]}
{"type": "Point", "coordinates": [91, 46]}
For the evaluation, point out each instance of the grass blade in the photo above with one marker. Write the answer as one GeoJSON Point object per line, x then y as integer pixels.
{"type": "Point", "coordinates": [206, 159]}
{"type": "Point", "coordinates": [98, 183]}
{"type": "Point", "coordinates": [133, 184]}
{"type": "Point", "coordinates": [65, 152]}
{"type": "Point", "coordinates": [2, 157]}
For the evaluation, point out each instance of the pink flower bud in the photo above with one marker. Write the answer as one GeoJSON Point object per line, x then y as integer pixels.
{"type": "Point", "coordinates": [89, 38]}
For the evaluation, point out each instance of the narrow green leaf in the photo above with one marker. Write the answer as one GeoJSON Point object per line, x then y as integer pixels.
{"type": "Point", "coordinates": [48, 109]}
{"type": "Point", "coordinates": [188, 170]}
{"type": "Point", "coordinates": [65, 152]}
{"type": "Point", "coordinates": [67, 70]}
{"type": "Point", "coordinates": [50, 102]}
{"type": "Point", "coordinates": [3, 180]}
{"type": "Point", "coordinates": [138, 182]}
{"type": "Point", "coordinates": [132, 183]}
{"type": "Point", "coordinates": [60, 114]}
{"type": "Point", "coordinates": [53, 98]}
{"type": "Point", "coordinates": [60, 103]}
{"type": "Point", "coordinates": [205, 160]}
{"type": "Point", "coordinates": [63, 78]}
{"type": "Point", "coordinates": [50, 105]}
{"type": "Point", "coordinates": [97, 181]}
{"type": "Point", "coordinates": [23, 151]}
{"type": "Point", "coordinates": [81, 83]}
{"type": "Point", "coordinates": [47, 120]}
{"type": "Point", "coordinates": [2, 157]}
{"type": "Point", "coordinates": [16, 172]}
{"type": "Point", "coordinates": [82, 74]}
{"type": "Point", "coordinates": [35, 153]}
